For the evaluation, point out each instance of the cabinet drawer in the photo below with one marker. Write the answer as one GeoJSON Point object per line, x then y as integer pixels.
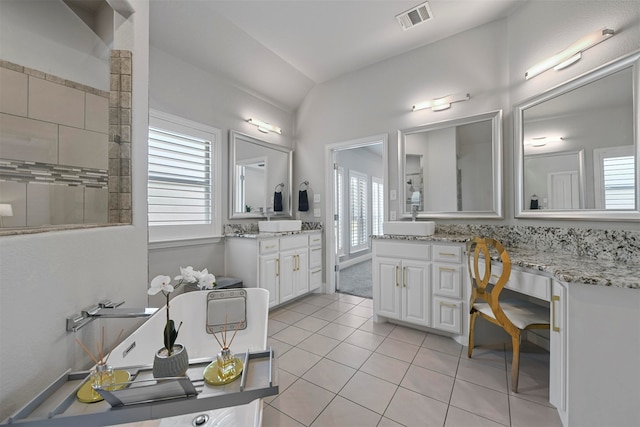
{"type": "Point", "coordinates": [521, 281]}
{"type": "Point", "coordinates": [447, 315]}
{"type": "Point", "coordinates": [446, 253]}
{"type": "Point", "coordinates": [447, 280]}
{"type": "Point", "coordinates": [402, 250]}
{"type": "Point", "coordinates": [315, 257]}
{"type": "Point", "coordinates": [315, 239]}
{"type": "Point", "coordinates": [293, 242]}
{"type": "Point", "coordinates": [315, 279]}
{"type": "Point", "coordinates": [268, 246]}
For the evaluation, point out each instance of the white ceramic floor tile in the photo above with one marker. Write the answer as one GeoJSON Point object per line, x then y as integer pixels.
{"type": "Point", "coordinates": [443, 344]}
{"type": "Point", "coordinates": [367, 302]}
{"type": "Point", "coordinates": [337, 331]}
{"type": "Point", "coordinates": [482, 374]}
{"type": "Point", "coordinates": [458, 418]}
{"type": "Point", "coordinates": [412, 336]}
{"type": "Point", "coordinates": [318, 344]}
{"type": "Point", "coordinates": [364, 339]}
{"type": "Point", "coordinates": [383, 329]}
{"type": "Point", "coordinates": [398, 349]}
{"type": "Point", "coordinates": [304, 308]}
{"type": "Point", "coordinates": [279, 347]}
{"type": "Point", "coordinates": [358, 310]}
{"type": "Point", "coordinates": [285, 379]}
{"type": "Point", "coordinates": [437, 361]}
{"type": "Point", "coordinates": [349, 354]}
{"type": "Point", "coordinates": [493, 355]}
{"type": "Point", "coordinates": [327, 314]}
{"type": "Point", "coordinates": [481, 401]}
{"type": "Point", "coordinates": [329, 374]}
{"type": "Point", "coordinates": [342, 412]}
{"type": "Point", "coordinates": [271, 417]}
{"type": "Point", "coordinates": [287, 316]}
{"type": "Point", "coordinates": [292, 335]}
{"type": "Point", "coordinates": [303, 401]}
{"type": "Point", "coordinates": [386, 422]}
{"type": "Point", "coordinates": [297, 361]}
{"type": "Point", "coordinates": [369, 391]}
{"type": "Point", "coordinates": [311, 323]}
{"type": "Point", "coordinates": [413, 409]}
{"type": "Point", "coordinates": [275, 326]}
{"type": "Point", "coordinates": [525, 413]}
{"type": "Point", "coordinates": [350, 320]}
{"type": "Point", "coordinates": [341, 306]}
{"type": "Point", "coordinates": [428, 383]}
{"type": "Point", "coordinates": [351, 299]}
{"type": "Point", "coordinates": [317, 300]}
{"type": "Point", "coordinates": [385, 367]}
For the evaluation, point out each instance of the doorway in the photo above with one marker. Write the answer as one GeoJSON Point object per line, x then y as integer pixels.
{"type": "Point", "coordinates": [356, 177]}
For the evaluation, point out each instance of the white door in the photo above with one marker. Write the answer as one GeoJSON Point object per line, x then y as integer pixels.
{"type": "Point", "coordinates": [563, 190]}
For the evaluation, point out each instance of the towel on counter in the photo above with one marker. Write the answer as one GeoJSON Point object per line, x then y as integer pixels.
{"type": "Point", "coordinates": [303, 201]}
{"type": "Point", "coordinates": [277, 201]}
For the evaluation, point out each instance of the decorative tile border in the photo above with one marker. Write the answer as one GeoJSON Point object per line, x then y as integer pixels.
{"type": "Point", "coordinates": [32, 172]}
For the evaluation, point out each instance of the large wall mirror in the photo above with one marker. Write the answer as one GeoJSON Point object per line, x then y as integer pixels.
{"type": "Point", "coordinates": [452, 169]}
{"type": "Point", "coordinates": [577, 147]}
{"type": "Point", "coordinates": [259, 177]}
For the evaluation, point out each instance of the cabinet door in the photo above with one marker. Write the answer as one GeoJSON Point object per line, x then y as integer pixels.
{"type": "Point", "coordinates": [558, 350]}
{"type": "Point", "coordinates": [447, 315]}
{"type": "Point", "coordinates": [288, 262]}
{"type": "Point", "coordinates": [386, 287]}
{"type": "Point", "coordinates": [269, 277]}
{"type": "Point", "coordinates": [301, 273]}
{"type": "Point", "coordinates": [416, 292]}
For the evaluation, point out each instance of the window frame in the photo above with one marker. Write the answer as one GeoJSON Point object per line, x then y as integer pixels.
{"type": "Point", "coordinates": [362, 244]}
{"type": "Point", "coordinates": [599, 157]}
{"type": "Point", "coordinates": [172, 123]}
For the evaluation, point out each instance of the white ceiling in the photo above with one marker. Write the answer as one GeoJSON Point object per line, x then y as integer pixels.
{"type": "Point", "coordinates": [279, 50]}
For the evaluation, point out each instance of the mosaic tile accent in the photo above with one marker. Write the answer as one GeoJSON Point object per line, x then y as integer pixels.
{"type": "Point", "coordinates": [19, 171]}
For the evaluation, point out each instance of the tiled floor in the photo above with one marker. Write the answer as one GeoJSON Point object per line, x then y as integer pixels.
{"type": "Point", "coordinates": [338, 368]}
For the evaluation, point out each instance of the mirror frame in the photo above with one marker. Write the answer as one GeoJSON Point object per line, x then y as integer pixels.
{"type": "Point", "coordinates": [234, 136]}
{"type": "Point", "coordinates": [496, 167]}
{"type": "Point", "coordinates": [629, 61]}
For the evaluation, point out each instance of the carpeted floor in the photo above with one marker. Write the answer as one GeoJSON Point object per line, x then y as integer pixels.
{"type": "Point", "coordinates": [357, 280]}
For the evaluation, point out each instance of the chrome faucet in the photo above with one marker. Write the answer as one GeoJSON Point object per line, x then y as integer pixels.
{"type": "Point", "coordinates": [107, 309]}
{"type": "Point", "coordinates": [269, 213]}
{"type": "Point", "coordinates": [414, 212]}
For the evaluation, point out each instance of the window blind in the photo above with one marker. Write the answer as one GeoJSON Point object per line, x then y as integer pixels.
{"type": "Point", "coordinates": [377, 209]}
{"type": "Point", "coordinates": [619, 182]}
{"type": "Point", "coordinates": [358, 211]}
{"type": "Point", "coordinates": [180, 183]}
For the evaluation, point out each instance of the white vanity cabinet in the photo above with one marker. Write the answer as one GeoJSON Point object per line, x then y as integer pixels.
{"type": "Point", "coordinates": [284, 265]}
{"type": "Point", "coordinates": [419, 282]}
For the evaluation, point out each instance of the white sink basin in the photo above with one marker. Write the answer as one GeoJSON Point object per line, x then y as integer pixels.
{"type": "Point", "coordinates": [280, 226]}
{"type": "Point", "coordinates": [407, 228]}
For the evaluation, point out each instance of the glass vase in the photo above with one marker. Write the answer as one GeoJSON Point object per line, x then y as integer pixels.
{"type": "Point", "coordinates": [102, 376]}
{"type": "Point", "coordinates": [226, 364]}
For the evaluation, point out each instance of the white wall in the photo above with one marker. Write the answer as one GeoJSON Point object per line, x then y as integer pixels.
{"type": "Point", "coordinates": [488, 62]}
{"type": "Point", "coordinates": [181, 89]}
{"type": "Point", "coordinates": [46, 277]}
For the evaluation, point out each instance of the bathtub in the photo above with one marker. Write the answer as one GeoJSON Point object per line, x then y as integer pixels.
{"type": "Point", "coordinates": [139, 349]}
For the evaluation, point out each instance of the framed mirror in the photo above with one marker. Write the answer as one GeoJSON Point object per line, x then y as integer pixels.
{"type": "Point", "coordinates": [577, 147]}
{"type": "Point", "coordinates": [452, 169]}
{"type": "Point", "coordinates": [260, 178]}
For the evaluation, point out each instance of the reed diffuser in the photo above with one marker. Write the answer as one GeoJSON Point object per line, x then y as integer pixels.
{"type": "Point", "coordinates": [102, 375]}
{"type": "Point", "coordinates": [227, 366]}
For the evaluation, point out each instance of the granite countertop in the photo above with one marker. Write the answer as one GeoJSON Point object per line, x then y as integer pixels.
{"type": "Point", "coordinates": [568, 268]}
{"type": "Point", "coordinates": [264, 235]}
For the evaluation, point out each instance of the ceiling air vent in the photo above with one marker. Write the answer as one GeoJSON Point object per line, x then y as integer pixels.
{"type": "Point", "coordinates": [414, 16]}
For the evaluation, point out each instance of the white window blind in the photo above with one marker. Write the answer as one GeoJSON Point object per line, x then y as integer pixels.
{"type": "Point", "coordinates": [358, 211]}
{"type": "Point", "coordinates": [614, 174]}
{"type": "Point", "coordinates": [377, 208]}
{"type": "Point", "coordinates": [181, 183]}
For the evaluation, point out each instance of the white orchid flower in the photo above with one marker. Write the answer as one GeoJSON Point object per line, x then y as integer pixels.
{"type": "Point", "coordinates": [207, 280]}
{"type": "Point", "coordinates": [160, 283]}
{"type": "Point", "coordinates": [188, 275]}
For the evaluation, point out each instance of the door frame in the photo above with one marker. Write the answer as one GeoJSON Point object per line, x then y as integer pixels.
{"type": "Point", "coordinates": [330, 151]}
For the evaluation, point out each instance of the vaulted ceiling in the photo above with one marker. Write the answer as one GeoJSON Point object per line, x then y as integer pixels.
{"type": "Point", "coordinates": [281, 49]}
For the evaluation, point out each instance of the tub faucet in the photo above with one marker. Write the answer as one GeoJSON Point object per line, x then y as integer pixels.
{"type": "Point", "coordinates": [107, 309]}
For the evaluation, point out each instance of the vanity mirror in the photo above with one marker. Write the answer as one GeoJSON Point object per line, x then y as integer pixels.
{"type": "Point", "coordinates": [259, 177]}
{"type": "Point", "coordinates": [577, 147]}
{"type": "Point", "coordinates": [452, 169]}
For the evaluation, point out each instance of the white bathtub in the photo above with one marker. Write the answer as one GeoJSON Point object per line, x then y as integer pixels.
{"type": "Point", "coordinates": [189, 308]}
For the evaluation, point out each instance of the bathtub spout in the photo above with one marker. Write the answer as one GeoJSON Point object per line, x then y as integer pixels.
{"type": "Point", "coordinates": [106, 309]}
{"type": "Point", "coordinates": [125, 312]}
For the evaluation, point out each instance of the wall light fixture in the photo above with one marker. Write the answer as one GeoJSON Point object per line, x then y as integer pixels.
{"type": "Point", "coordinates": [440, 104]}
{"type": "Point", "coordinates": [571, 54]}
{"type": "Point", "coordinates": [541, 141]}
{"type": "Point", "coordinates": [264, 126]}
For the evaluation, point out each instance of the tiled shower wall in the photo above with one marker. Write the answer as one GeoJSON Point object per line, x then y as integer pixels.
{"type": "Point", "coordinates": [65, 147]}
